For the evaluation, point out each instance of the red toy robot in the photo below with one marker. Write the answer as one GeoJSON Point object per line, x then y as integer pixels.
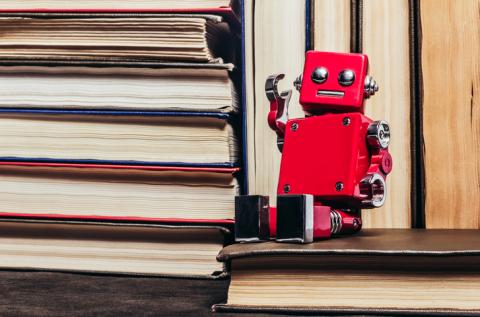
{"type": "Point", "coordinates": [334, 161]}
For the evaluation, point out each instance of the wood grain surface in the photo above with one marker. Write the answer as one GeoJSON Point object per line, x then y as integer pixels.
{"type": "Point", "coordinates": [450, 62]}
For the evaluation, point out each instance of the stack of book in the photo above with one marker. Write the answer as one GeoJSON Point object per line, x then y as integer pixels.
{"type": "Point", "coordinates": [121, 123]}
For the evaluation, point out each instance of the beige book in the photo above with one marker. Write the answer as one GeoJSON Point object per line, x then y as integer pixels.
{"type": "Point", "coordinates": [151, 139]}
{"type": "Point", "coordinates": [117, 193]}
{"type": "Point", "coordinates": [124, 249]}
{"type": "Point", "coordinates": [163, 37]}
{"type": "Point", "coordinates": [381, 272]}
{"type": "Point", "coordinates": [278, 43]}
{"type": "Point", "coordinates": [385, 39]}
{"type": "Point", "coordinates": [165, 88]}
{"type": "Point", "coordinates": [450, 66]}
{"type": "Point", "coordinates": [294, 285]}
{"type": "Point", "coordinates": [115, 4]}
{"type": "Point", "coordinates": [331, 25]}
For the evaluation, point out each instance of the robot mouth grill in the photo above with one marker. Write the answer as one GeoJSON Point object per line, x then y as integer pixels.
{"type": "Point", "coordinates": [330, 93]}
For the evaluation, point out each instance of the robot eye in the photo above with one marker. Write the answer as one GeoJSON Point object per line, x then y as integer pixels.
{"type": "Point", "coordinates": [319, 75]}
{"type": "Point", "coordinates": [346, 77]}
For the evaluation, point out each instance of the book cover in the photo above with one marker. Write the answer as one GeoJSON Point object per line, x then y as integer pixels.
{"type": "Point", "coordinates": [378, 271]}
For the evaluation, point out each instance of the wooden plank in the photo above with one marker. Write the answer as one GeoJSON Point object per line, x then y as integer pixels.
{"type": "Point", "coordinates": [385, 39]}
{"type": "Point", "coordinates": [450, 63]}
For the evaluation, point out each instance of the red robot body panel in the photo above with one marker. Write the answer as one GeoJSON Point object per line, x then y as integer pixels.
{"type": "Point", "coordinates": [307, 167]}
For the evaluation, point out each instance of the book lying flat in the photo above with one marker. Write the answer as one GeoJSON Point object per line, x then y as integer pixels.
{"type": "Point", "coordinates": [114, 5]}
{"type": "Point", "coordinates": [166, 37]}
{"type": "Point", "coordinates": [158, 250]}
{"type": "Point", "coordinates": [117, 192]}
{"type": "Point", "coordinates": [375, 272]}
{"type": "Point", "coordinates": [163, 138]}
{"type": "Point", "coordinates": [165, 87]}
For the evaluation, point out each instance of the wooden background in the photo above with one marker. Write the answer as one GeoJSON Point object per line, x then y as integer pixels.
{"type": "Point", "coordinates": [436, 134]}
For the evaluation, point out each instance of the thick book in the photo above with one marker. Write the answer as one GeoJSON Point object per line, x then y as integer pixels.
{"type": "Point", "coordinates": [119, 86]}
{"type": "Point", "coordinates": [267, 52]}
{"type": "Point", "coordinates": [381, 30]}
{"type": "Point", "coordinates": [115, 37]}
{"type": "Point", "coordinates": [127, 137]}
{"type": "Point", "coordinates": [384, 36]}
{"type": "Point", "coordinates": [379, 271]}
{"type": "Point", "coordinates": [199, 6]}
{"type": "Point", "coordinates": [102, 192]}
{"type": "Point", "coordinates": [113, 248]}
{"type": "Point", "coordinates": [331, 25]}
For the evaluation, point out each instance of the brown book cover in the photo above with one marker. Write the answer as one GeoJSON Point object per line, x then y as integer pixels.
{"type": "Point", "coordinates": [394, 271]}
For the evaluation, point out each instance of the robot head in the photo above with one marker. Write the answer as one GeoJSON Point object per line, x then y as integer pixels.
{"type": "Point", "coordinates": [335, 82]}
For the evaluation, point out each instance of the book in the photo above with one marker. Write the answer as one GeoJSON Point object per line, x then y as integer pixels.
{"type": "Point", "coordinates": [269, 54]}
{"type": "Point", "coordinates": [117, 192]}
{"type": "Point", "coordinates": [331, 25]}
{"type": "Point", "coordinates": [122, 5]}
{"type": "Point", "coordinates": [385, 38]}
{"type": "Point", "coordinates": [163, 138]}
{"type": "Point", "coordinates": [119, 86]}
{"type": "Point", "coordinates": [450, 118]}
{"type": "Point", "coordinates": [394, 271]}
{"type": "Point", "coordinates": [149, 250]}
{"type": "Point", "coordinates": [165, 37]}
{"type": "Point", "coordinates": [381, 30]}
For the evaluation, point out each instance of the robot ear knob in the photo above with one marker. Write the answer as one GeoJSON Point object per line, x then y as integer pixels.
{"type": "Point", "coordinates": [370, 86]}
{"type": "Point", "coordinates": [378, 134]}
{"type": "Point", "coordinates": [298, 83]}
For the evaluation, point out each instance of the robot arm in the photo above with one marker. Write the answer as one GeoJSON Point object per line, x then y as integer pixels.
{"type": "Point", "coordinates": [278, 115]}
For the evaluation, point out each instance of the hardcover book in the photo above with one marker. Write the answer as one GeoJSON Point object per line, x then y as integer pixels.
{"type": "Point", "coordinates": [118, 86]}
{"type": "Point", "coordinates": [163, 37]}
{"type": "Point", "coordinates": [204, 6]}
{"type": "Point", "coordinates": [267, 53]}
{"type": "Point", "coordinates": [153, 250]}
{"type": "Point", "coordinates": [395, 271]}
{"type": "Point", "coordinates": [117, 192]}
{"type": "Point", "coordinates": [159, 138]}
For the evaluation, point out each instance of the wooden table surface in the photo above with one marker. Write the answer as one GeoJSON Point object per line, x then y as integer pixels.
{"type": "Point", "coordinates": [25, 293]}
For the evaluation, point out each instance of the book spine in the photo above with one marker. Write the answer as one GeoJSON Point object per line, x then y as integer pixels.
{"type": "Point", "coordinates": [390, 65]}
